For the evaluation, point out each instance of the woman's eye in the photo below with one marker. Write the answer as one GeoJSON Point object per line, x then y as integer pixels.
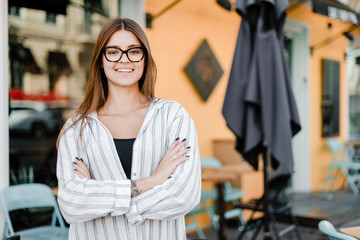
{"type": "Point", "coordinates": [134, 52]}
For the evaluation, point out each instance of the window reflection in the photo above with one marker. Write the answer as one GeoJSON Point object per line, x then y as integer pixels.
{"type": "Point", "coordinates": [50, 48]}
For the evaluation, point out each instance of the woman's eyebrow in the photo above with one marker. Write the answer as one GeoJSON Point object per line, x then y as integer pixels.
{"type": "Point", "coordinates": [130, 46]}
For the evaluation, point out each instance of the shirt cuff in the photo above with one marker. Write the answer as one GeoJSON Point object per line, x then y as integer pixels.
{"type": "Point", "coordinates": [144, 201]}
{"type": "Point", "coordinates": [122, 203]}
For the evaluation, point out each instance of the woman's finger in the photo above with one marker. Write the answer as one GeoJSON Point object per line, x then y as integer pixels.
{"type": "Point", "coordinates": [171, 147]}
{"type": "Point", "coordinates": [181, 152]}
{"type": "Point", "coordinates": [181, 159]}
{"type": "Point", "coordinates": [177, 148]}
{"type": "Point", "coordinates": [81, 169]}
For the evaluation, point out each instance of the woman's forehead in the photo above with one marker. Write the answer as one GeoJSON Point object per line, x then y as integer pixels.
{"type": "Point", "coordinates": [123, 39]}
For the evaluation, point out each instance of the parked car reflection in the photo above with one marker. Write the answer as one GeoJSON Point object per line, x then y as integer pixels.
{"type": "Point", "coordinates": [34, 127]}
{"type": "Point", "coordinates": [35, 118]}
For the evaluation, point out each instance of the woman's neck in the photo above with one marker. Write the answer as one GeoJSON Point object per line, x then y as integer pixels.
{"type": "Point", "coordinates": [123, 102]}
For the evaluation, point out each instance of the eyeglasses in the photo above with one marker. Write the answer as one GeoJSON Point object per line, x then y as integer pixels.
{"type": "Point", "coordinates": [114, 54]}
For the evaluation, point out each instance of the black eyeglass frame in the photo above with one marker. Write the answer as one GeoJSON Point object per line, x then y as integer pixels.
{"type": "Point", "coordinates": [122, 53]}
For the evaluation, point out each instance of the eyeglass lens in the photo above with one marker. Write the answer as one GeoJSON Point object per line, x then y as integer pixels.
{"type": "Point", "coordinates": [113, 54]}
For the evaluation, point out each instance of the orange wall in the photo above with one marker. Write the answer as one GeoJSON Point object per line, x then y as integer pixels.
{"type": "Point", "coordinates": [320, 155]}
{"type": "Point", "coordinates": [176, 35]}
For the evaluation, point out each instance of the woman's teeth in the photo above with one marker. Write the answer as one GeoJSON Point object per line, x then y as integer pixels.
{"type": "Point", "coordinates": [124, 70]}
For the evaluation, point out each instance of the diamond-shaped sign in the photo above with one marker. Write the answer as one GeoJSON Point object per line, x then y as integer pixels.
{"type": "Point", "coordinates": [204, 70]}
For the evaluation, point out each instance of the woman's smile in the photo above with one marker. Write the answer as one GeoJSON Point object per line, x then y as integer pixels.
{"type": "Point", "coordinates": [125, 70]}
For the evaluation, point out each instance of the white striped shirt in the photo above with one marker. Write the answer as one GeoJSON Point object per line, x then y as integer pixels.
{"type": "Point", "coordinates": [101, 207]}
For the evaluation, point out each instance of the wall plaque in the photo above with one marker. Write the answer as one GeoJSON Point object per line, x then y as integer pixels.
{"type": "Point", "coordinates": [204, 70]}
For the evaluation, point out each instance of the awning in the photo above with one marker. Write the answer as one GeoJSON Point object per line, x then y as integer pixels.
{"type": "Point", "coordinates": [52, 6]}
{"type": "Point", "coordinates": [336, 10]}
{"type": "Point", "coordinates": [22, 54]}
{"type": "Point", "coordinates": [95, 6]}
{"type": "Point", "coordinates": [58, 62]}
{"type": "Point", "coordinates": [58, 65]}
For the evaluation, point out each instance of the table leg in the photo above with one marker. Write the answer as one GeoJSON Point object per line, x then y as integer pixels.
{"type": "Point", "coordinates": [221, 211]}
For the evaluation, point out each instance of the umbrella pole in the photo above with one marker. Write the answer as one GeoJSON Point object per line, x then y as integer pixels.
{"type": "Point", "coordinates": [266, 159]}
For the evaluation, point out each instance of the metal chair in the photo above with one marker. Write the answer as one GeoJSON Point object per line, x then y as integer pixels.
{"type": "Point", "coordinates": [31, 196]}
{"type": "Point", "coordinates": [328, 229]}
{"type": "Point", "coordinates": [201, 208]}
{"type": "Point", "coordinates": [342, 162]}
{"type": "Point", "coordinates": [277, 205]}
{"type": "Point", "coordinates": [194, 225]}
{"type": "Point", "coordinates": [231, 194]}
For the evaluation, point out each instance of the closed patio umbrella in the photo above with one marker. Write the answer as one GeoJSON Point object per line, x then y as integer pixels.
{"type": "Point", "coordinates": [259, 105]}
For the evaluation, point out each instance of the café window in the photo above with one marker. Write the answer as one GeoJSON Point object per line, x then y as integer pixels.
{"type": "Point", "coordinates": [13, 10]}
{"type": "Point", "coordinates": [50, 17]}
{"type": "Point", "coordinates": [353, 77]}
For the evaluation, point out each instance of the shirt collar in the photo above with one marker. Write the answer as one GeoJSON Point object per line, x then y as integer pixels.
{"type": "Point", "coordinates": [154, 106]}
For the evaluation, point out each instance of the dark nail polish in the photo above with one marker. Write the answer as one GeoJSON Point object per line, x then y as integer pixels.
{"type": "Point", "coordinates": [188, 147]}
{"type": "Point", "coordinates": [184, 140]}
{"type": "Point", "coordinates": [177, 139]}
{"type": "Point", "coordinates": [81, 160]}
{"type": "Point", "coordinates": [75, 163]}
{"type": "Point", "coordinates": [187, 156]}
{"type": "Point", "coordinates": [75, 169]}
{"type": "Point", "coordinates": [77, 158]}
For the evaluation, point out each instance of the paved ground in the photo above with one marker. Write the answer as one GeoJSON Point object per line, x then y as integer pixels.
{"type": "Point", "coordinates": [307, 233]}
{"type": "Point", "coordinates": [341, 208]}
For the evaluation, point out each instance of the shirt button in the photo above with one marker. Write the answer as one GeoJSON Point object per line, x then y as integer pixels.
{"type": "Point", "coordinates": [134, 148]}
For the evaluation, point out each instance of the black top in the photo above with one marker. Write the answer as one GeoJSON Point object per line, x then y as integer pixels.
{"type": "Point", "coordinates": [124, 148]}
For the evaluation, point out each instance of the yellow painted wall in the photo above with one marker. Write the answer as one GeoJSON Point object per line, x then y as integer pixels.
{"type": "Point", "coordinates": [176, 35]}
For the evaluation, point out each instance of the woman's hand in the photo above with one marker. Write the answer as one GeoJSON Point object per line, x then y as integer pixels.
{"type": "Point", "coordinates": [175, 155]}
{"type": "Point", "coordinates": [172, 158]}
{"type": "Point", "coordinates": [81, 169]}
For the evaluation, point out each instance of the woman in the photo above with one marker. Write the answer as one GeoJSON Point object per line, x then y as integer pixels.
{"type": "Point", "coordinates": [128, 163]}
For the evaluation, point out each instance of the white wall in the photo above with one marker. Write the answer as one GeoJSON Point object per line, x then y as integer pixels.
{"type": "Point", "coordinates": [4, 98]}
{"type": "Point", "coordinates": [298, 32]}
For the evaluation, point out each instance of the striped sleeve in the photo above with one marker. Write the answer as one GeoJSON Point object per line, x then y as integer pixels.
{"type": "Point", "coordinates": [182, 191]}
{"type": "Point", "coordinates": [86, 199]}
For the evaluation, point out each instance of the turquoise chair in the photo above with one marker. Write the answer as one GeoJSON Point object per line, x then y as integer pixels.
{"type": "Point", "coordinates": [29, 196]}
{"type": "Point", "coordinates": [202, 207]}
{"type": "Point", "coordinates": [194, 225]}
{"type": "Point", "coordinates": [231, 194]}
{"type": "Point", "coordinates": [328, 229]}
{"type": "Point", "coordinates": [342, 162]}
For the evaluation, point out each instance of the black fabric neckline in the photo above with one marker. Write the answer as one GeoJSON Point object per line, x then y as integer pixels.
{"type": "Point", "coordinates": [124, 139]}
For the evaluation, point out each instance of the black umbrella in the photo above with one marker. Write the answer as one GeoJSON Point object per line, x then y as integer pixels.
{"type": "Point", "coordinates": [259, 105]}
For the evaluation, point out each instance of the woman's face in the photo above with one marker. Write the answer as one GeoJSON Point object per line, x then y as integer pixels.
{"type": "Point", "coordinates": [123, 72]}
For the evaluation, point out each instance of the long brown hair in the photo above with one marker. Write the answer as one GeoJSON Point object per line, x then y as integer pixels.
{"type": "Point", "coordinates": [97, 87]}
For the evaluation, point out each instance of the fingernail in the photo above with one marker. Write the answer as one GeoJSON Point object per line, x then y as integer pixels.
{"type": "Point", "coordinates": [188, 147]}
{"type": "Point", "coordinates": [77, 158]}
{"type": "Point", "coordinates": [75, 163]}
{"type": "Point", "coordinates": [75, 169]}
{"type": "Point", "coordinates": [177, 139]}
{"type": "Point", "coordinates": [184, 140]}
{"type": "Point", "coordinates": [81, 159]}
{"type": "Point", "coordinates": [187, 156]}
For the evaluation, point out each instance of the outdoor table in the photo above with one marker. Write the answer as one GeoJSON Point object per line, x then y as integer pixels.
{"type": "Point", "coordinates": [351, 231]}
{"type": "Point", "coordinates": [219, 176]}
